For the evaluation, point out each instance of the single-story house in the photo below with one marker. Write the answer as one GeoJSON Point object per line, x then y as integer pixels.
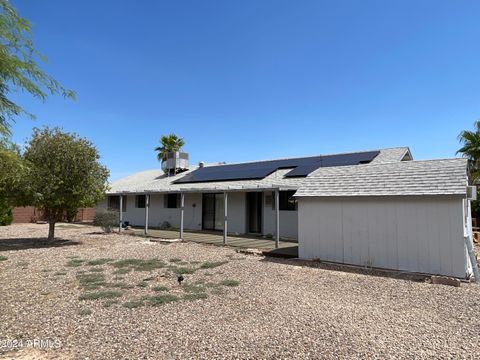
{"type": "Point", "coordinates": [374, 208]}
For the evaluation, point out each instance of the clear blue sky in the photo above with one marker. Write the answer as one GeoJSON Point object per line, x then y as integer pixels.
{"type": "Point", "coordinates": [246, 80]}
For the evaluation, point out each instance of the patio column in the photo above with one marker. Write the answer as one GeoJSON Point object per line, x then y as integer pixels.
{"type": "Point", "coordinates": [121, 214]}
{"type": "Point", "coordinates": [147, 205]}
{"type": "Point", "coordinates": [277, 218]}
{"type": "Point", "coordinates": [182, 207]}
{"type": "Point", "coordinates": [225, 219]}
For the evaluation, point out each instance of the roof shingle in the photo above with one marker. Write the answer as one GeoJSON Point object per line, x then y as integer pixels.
{"type": "Point", "coordinates": [429, 177]}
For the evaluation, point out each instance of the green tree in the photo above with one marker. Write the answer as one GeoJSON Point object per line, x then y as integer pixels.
{"type": "Point", "coordinates": [169, 143]}
{"type": "Point", "coordinates": [12, 175]}
{"type": "Point", "coordinates": [19, 69]}
{"type": "Point", "coordinates": [470, 140]}
{"type": "Point", "coordinates": [64, 174]}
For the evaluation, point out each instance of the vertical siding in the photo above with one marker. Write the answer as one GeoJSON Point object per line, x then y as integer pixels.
{"type": "Point", "coordinates": [421, 234]}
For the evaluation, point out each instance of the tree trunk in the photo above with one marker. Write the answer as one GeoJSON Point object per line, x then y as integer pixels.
{"type": "Point", "coordinates": [51, 230]}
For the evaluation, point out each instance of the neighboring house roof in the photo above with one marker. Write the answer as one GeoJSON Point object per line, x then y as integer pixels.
{"type": "Point", "coordinates": [155, 181]}
{"type": "Point", "coordinates": [429, 177]}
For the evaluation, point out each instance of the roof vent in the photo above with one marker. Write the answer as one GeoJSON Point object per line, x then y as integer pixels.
{"type": "Point", "coordinates": [201, 164]}
{"type": "Point", "coordinates": [175, 162]}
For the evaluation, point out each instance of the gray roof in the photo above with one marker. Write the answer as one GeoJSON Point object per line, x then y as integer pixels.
{"type": "Point", "coordinates": [155, 181]}
{"type": "Point", "coordinates": [429, 177]}
{"type": "Point", "coordinates": [392, 155]}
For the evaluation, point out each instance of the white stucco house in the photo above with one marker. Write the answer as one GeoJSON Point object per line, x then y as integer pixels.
{"type": "Point", "coordinates": [376, 208]}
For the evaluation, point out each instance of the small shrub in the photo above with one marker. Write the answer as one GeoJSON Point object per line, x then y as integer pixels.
{"type": "Point", "coordinates": [108, 294]}
{"type": "Point", "coordinates": [133, 304]}
{"type": "Point", "coordinates": [212, 264]}
{"type": "Point", "coordinates": [162, 299]}
{"type": "Point", "coordinates": [229, 282]}
{"type": "Point", "coordinates": [195, 296]}
{"type": "Point", "coordinates": [106, 219]}
{"type": "Point", "coordinates": [3, 258]}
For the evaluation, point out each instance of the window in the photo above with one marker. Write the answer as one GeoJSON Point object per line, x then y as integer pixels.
{"type": "Point", "coordinates": [287, 202]}
{"type": "Point", "coordinates": [114, 203]}
{"type": "Point", "coordinates": [171, 201]}
{"type": "Point", "coordinates": [140, 201]}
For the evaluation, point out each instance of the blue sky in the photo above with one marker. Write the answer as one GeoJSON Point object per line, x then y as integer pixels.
{"type": "Point", "coordinates": [246, 80]}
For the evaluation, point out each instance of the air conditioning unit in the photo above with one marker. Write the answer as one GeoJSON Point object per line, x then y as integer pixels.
{"type": "Point", "coordinates": [175, 162]}
{"type": "Point", "coordinates": [471, 192]}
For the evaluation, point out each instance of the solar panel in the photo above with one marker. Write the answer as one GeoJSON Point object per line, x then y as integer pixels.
{"type": "Point", "coordinates": [258, 170]}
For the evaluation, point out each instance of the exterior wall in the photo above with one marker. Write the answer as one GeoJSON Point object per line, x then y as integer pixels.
{"type": "Point", "coordinates": [288, 221]}
{"type": "Point", "coordinates": [237, 214]}
{"type": "Point", "coordinates": [418, 234]}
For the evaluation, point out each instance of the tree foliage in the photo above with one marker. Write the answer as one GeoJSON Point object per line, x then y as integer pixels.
{"type": "Point", "coordinates": [19, 69]}
{"type": "Point", "coordinates": [470, 140]}
{"type": "Point", "coordinates": [64, 174]}
{"type": "Point", "coordinates": [12, 172]}
{"type": "Point", "coordinates": [169, 143]}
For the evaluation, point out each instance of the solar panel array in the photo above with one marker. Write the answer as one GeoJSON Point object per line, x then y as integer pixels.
{"type": "Point", "coordinates": [260, 169]}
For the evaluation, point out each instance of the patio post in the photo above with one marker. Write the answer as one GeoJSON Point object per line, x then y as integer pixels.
{"type": "Point", "coordinates": [121, 214]}
{"type": "Point", "coordinates": [277, 218]}
{"type": "Point", "coordinates": [225, 219]}
{"type": "Point", "coordinates": [182, 207]}
{"type": "Point", "coordinates": [147, 205]}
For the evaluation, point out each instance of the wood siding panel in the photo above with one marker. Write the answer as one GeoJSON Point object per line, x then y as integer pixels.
{"type": "Point", "coordinates": [420, 234]}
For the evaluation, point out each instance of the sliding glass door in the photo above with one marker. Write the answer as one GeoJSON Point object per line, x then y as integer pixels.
{"type": "Point", "coordinates": [212, 211]}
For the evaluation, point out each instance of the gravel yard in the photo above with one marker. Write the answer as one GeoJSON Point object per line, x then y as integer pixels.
{"type": "Point", "coordinates": [117, 297]}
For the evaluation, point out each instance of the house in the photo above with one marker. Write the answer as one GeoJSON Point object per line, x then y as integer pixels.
{"type": "Point", "coordinates": [374, 208]}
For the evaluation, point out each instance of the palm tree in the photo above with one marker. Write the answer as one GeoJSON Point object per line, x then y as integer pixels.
{"type": "Point", "coordinates": [471, 149]}
{"type": "Point", "coordinates": [169, 143]}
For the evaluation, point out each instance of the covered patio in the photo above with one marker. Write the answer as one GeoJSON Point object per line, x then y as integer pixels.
{"type": "Point", "coordinates": [266, 246]}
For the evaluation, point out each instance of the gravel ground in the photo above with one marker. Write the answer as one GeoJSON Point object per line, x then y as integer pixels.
{"type": "Point", "coordinates": [280, 308]}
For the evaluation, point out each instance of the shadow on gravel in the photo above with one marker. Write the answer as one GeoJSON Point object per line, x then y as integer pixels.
{"type": "Point", "coordinates": [33, 243]}
{"type": "Point", "coordinates": [416, 277]}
